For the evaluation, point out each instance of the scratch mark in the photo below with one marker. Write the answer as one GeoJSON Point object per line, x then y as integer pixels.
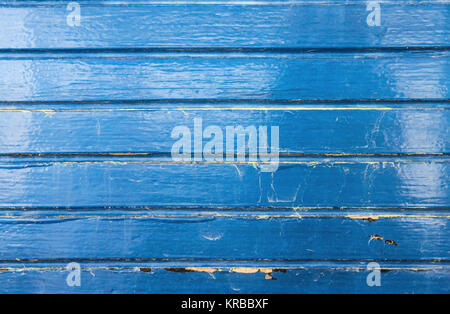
{"type": "Point", "coordinates": [238, 171]}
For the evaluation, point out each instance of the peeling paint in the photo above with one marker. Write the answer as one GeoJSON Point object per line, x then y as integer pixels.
{"type": "Point", "coordinates": [368, 218]}
{"type": "Point", "coordinates": [203, 269]}
{"type": "Point", "coordinates": [391, 242]}
{"type": "Point", "coordinates": [376, 237]}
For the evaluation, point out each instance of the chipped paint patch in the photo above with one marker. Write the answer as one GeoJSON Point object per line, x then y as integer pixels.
{"type": "Point", "coordinates": [209, 270]}
{"type": "Point", "coordinates": [392, 242]}
{"type": "Point", "coordinates": [376, 237]}
{"type": "Point", "coordinates": [380, 238]}
{"type": "Point", "coordinates": [368, 218]}
{"type": "Point", "coordinates": [245, 270]}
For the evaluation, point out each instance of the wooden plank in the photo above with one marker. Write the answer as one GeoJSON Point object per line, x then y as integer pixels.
{"type": "Point", "coordinates": [138, 128]}
{"type": "Point", "coordinates": [307, 278]}
{"type": "Point", "coordinates": [216, 235]}
{"type": "Point", "coordinates": [297, 182]}
{"type": "Point", "coordinates": [292, 24]}
{"type": "Point", "coordinates": [137, 76]}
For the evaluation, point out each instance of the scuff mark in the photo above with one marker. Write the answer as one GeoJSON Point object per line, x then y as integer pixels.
{"type": "Point", "coordinates": [212, 238]}
{"type": "Point", "coordinates": [238, 171]}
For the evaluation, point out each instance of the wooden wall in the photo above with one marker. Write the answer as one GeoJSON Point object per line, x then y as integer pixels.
{"type": "Point", "coordinates": [86, 174]}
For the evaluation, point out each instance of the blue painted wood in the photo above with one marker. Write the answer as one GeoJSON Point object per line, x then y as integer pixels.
{"type": "Point", "coordinates": [216, 234]}
{"type": "Point", "coordinates": [405, 75]}
{"type": "Point", "coordinates": [358, 128]}
{"type": "Point", "coordinates": [141, 278]}
{"type": "Point", "coordinates": [292, 24]}
{"type": "Point", "coordinates": [305, 182]}
{"type": "Point", "coordinates": [86, 176]}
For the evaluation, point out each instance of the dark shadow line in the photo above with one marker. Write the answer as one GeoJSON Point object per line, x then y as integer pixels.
{"type": "Point", "coordinates": [227, 50]}
{"type": "Point", "coordinates": [225, 101]}
{"type": "Point", "coordinates": [246, 155]}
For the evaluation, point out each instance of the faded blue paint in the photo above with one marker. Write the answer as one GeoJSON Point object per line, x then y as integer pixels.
{"type": "Point", "coordinates": [86, 115]}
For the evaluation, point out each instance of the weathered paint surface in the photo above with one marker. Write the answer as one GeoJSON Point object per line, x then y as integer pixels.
{"type": "Point", "coordinates": [86, 115]}
{"type": "Point", "coordinates": [223, 235]}
{"type": "Point", "coordinates": [266, 23]}
{"type": "Point", "coordinates": [334, 129]}
{"type": "Point", "coordinates": [187, 75]}
{"type": "Point", "coordinates": [94, 181]}
{"type": "Point", "coordinates": [142, 278]}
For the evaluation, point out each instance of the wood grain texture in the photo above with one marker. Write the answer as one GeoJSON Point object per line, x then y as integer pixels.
{"type": "Point", "coordinates": [335, 129]}
{"type": "Point", "coordinates": [217, 235]}
{"type": "Point", "coordinates": [142, 278]}
{"type": "Point", "coordinates": [279, 24]}
{"type": "Point", "coordinates": [313, 182]}
{"type": "Point", "coordinates": [420, 75]}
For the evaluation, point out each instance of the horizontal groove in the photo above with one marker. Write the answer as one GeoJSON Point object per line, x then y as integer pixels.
{"type": "Point", "coordinates": [167, 161]}
{"type": "Point", "coordinates": [242, 266]}
{"type": "Point", "coordinates": [248, 50]}
{"type": "Point", "coordinates": [167, 154]}
{"type": "Point", "coordinates": [146, 260]}
{"type": "Point", "coordinates": [219, 208]}
{"type": "Point", "coordinates": [125, 108]}
{"type": "Point", "coordinates": [210, 216]}
{"type": "Point", "coordinates": [226, 101]}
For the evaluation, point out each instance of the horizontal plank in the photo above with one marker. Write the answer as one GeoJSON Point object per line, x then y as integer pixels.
{"type": "Point", "coordinates": [73, 77]}
{"type": "Point", "coordinates": [224, 235]}
{"type": "Point", "coordinates": [152, 181]}
{"type": "Point", "coordinates": [28, 24]}
{"type": "Point", "coordinates": [332, 129]}
{"type": "Point", "coordinates": [307, 278]}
